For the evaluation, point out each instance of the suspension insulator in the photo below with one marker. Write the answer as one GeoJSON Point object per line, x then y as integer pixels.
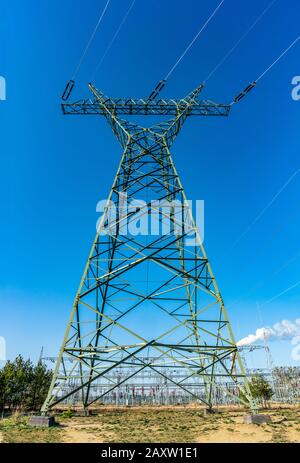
{"type": "Point", "coordinates": [244, 92]}
{"type": "Point", "coordinates": [157, 89]}
{"type": "Point", "coordinates": [67, 92]}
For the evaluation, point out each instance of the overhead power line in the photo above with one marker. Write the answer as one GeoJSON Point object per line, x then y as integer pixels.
{"type": "Point", "coordinates": [70, 85]}
{"type": "Point", "coordinates": [86, 49]}
{"type": "Point", "coordinates": [194, 40]}
{"type": "Point", "coordinates": [162, 82]}
{"type": "Point", "coordinates": [281, 293]}
{"type": "Point", "coordinates": [222, 61]}
{"type": "Point", "coordinates": [114, 37]}
{"type": "Point", "coordinates": [279, 58]}
{"type": "Point", "coordinates": [260, 283]}
{"type": "Point", "coordinates": [264, 210]}
{"type": "Point", "coordinates": [253, 84]}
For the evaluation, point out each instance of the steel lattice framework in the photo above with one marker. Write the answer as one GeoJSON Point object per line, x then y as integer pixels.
{"type": "Point", "coordinates": [148, 302]}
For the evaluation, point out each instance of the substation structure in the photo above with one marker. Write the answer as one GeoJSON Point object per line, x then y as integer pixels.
{"type": "Point", "coordinates": [150, 388]}
{"type": "Point", "coordinates": [148, 305]}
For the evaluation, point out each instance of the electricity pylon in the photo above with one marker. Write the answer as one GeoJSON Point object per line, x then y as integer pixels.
{"type": "Point", "coordinates": [147, 300]}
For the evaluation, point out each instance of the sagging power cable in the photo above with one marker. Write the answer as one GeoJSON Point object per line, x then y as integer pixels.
{"type": "Point", "coordinates": [114, 37]}
{"type": "Point", "coordinates": [253, 84]}
{"type": "Point", "coordinates": [264, 210]}
{"type": "Point", "coordinates": [222, 61]}
{"type": "Point", "coordinates": [163, 82]}
{"type": "Point", "coordinates": [277, 59]}
{"type": "Point", "coordinates": [70, 85]}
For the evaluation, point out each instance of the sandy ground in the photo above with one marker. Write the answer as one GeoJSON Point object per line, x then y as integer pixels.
{"type": "Point", "coordinates": [159, 425]}
{"type": "Point", "coordinates": [83, 433]}
{"type": "Point", "coordinates": [169, 426]}
{"type": "Point", "coordinates": [246, 433]}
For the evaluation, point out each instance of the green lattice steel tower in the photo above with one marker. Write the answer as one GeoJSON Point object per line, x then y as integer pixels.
{"type": "Point", "coordinates": [147, 302]}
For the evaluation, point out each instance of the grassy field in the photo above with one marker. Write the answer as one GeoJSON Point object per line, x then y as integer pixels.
{"type": "Point", "coordinates": [16, 429]}
{"type": "Point", "coordinates": [160, 424]}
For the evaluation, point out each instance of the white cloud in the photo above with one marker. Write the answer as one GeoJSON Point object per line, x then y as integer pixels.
{"type": "Point", "coordinates": [281, 330]}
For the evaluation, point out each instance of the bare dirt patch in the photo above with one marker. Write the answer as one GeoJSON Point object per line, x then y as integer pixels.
{"type": "Point", "coordinates": [181, 424]}
{"type": "Point", "coordinates": [159, 425]}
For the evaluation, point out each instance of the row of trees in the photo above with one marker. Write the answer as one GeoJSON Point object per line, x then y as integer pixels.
{"type": "Point", "coordinates": [23, 385]}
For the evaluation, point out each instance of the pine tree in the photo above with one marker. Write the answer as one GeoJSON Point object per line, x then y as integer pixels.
{"type": "Point", "coordinates": [261, 389]}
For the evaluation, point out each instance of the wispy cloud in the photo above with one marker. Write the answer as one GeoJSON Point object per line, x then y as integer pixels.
{"type": "Point", "coordinates": [281, 330]}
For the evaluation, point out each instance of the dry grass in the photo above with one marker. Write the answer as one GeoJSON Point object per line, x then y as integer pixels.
{"type": "Point", "coordinates": [180, 424]}
{"type": "Point", "coordinates": [159, 424]}
{"type": "Point", "coordinates": [17, 430]}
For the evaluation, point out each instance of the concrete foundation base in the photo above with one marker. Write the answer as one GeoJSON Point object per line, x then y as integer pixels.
{"type": "Point", "coordinates": [42, 421]}
{"type": "Point", "coordinates": [257, 419]}
{"type": "Point", "coordinates": [210, 411]}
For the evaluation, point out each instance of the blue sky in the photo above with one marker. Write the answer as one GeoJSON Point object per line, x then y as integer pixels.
{"type": "Point", "coordinates": [55, 168]}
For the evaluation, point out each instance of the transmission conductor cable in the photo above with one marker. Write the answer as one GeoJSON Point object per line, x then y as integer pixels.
{"type": "Point", "coordinates": [222, 61]}
{"type": "Point", "coordinates": [253, 84]}
{"type": "Point", "coordinates": [70, 85]}
{"type": "Point", "coordinates": [114, 38]}
{"type": "Point", "coordinates": [163, 82]}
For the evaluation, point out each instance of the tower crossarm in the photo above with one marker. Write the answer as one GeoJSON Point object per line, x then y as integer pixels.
{"type": "Point", "coordinates": [144, 107]}
{"type": "Point", "coordinates": [113, 108]}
